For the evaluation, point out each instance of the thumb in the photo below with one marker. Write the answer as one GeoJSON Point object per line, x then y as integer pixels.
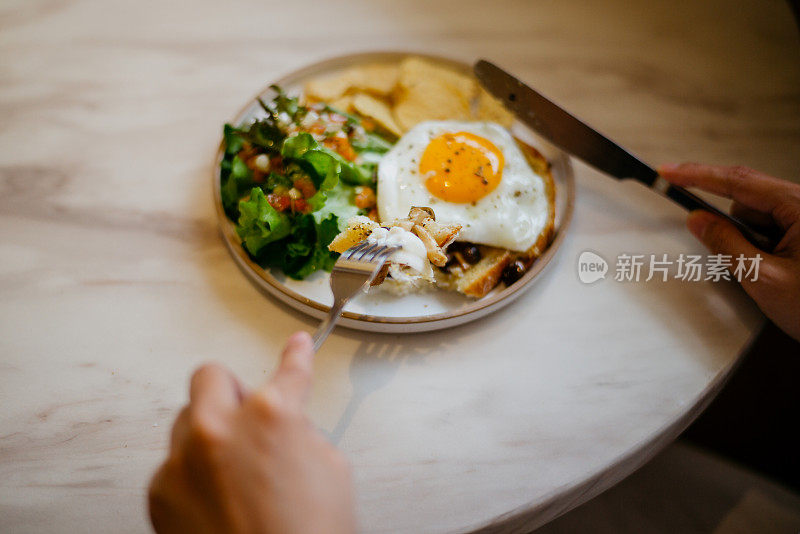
{"type": "Point", "coordinates": [720, 236]}
{"type": "Point", "coordinates": [295, 371]}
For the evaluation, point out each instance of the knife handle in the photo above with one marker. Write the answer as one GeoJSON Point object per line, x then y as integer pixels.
{"type": "Point", "coordinates": [766, 241]}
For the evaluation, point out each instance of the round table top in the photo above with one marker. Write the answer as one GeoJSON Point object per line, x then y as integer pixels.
{"type": "Point", "coordinates": [116, 284]}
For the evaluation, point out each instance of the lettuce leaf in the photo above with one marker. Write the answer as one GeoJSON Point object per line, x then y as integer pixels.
{"type": "Point", "coordinates": [355, 174]}
{"type": "Point", "coordinates": [260, 223]}
{"type": "Point", "coordinates": [371, 143]}
{"type": "Point", "coordinates": [323, 168]}
{"type": "Point", "coordinates": [304, 147]}
{"type": "Point", "coordinates": [263, 132]}
{"type": "Point", "coordinates": [320, 257]}
{"type": "Point", "coordinates": [297, 145]}
{"type": "Point", "coordinates": [233, 141]}
{"type": "Point", "coordinates": [305, 249]}
{"type": "Point", "coordinates": [236, 179]}
{"type": "Point", "coordinates": [340, 202]}
{"type": "Point", "coordinates": [283, 103]}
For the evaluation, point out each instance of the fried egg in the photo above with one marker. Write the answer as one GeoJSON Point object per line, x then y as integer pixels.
{"type": "Point", "coordinates": [470, 173]}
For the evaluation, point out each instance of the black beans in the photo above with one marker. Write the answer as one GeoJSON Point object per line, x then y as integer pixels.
{"type": "Point", "coordinates": [471, 254]}
{"type": "Point", "coordinates": [513, 272]}
{"type": "Point", "coordinates": [467, 251]}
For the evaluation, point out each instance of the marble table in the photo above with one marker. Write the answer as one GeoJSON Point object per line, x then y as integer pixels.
{"type": "Point", "coordinates": [114, 283]}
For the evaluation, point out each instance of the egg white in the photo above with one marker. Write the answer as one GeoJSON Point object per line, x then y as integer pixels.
{"type": "Point", "coordinates": [511, 216]}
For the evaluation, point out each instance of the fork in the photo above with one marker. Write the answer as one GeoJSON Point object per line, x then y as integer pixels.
{"type": "Point", "coordinates": [355, 269]}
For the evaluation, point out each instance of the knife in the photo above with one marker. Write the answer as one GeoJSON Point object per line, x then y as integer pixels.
{"type": "Point", "coordinates": [590, 146]}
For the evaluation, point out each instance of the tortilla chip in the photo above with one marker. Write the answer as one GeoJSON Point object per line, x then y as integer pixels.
{"type": "Point", "coordinates": [415, 70]}
{"type": "Point", "coordinates": [491, 109]}
{"type": "Point", "coordinates": [432, 99]}
{"type": "Point", "coordinates": [377, 79]}
{"type": "Point", "coordinates": [377, 110]}
{"type": "Point", "coordinates": [328, 88]}
{"type": "Point", "coordinates": [344, 103]}
{"type": "Point", "coordinates": [398, 97]}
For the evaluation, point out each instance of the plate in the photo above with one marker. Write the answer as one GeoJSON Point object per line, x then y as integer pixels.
{"type": "Point", "coordinates": [380, 311]}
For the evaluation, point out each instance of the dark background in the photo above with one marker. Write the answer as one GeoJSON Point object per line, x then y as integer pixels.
{"type": "Point", "coordinates": [754, 420]}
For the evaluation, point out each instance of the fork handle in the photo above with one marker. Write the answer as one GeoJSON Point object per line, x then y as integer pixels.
{"type": "Point", "coordinates": [326, 327]}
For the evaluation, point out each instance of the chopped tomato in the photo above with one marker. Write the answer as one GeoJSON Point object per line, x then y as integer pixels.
{"type": "Point", "coordinates": [247, 153]}
{"type": "Point", "coordinates": [317, 128]}
{"type": "Point", "coordinates": [305, 186]}
{"type": "Point", "coordinates": [365, 197]}
{"type": "Point", "coordinates": [276, 164]}
{"type": "Point", "coordinates": [342, 146]}
{"type": "Point", "coordinates": [279, 202]}
{"type": "Point", "coordinates": [301, 205]}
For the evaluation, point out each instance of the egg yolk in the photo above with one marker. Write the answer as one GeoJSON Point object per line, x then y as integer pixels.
{"type": "Point", "coordinates": [461, 167]}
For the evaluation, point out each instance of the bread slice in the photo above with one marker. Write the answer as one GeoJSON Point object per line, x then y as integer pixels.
{"type": "Point", "coordinates": [481, 278]}
{"type": "Point", "coordinates": [478, 279]}
{"type": "Point", "coordinates": [540, 166]}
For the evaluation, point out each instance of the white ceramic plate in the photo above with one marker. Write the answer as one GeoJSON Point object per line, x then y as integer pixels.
{"type": "Point", "coordinates": [380, 311]}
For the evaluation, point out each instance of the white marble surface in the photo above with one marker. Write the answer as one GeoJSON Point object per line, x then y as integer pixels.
{"type": "Point", "coordinates": [114, 283]}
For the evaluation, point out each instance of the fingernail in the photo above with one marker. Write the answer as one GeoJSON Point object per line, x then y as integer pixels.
{"type": "Point", "coordinates": [667, 167]}
{"type": "Point", "coordinates": [698, 221]}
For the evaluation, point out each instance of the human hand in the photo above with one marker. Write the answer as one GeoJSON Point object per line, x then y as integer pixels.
{"type": "Point", "coordinates": [252, 462]}
{"type": "Point", "coordinates": [763, 202]}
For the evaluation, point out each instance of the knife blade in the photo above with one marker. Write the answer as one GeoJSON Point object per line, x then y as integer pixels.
{"type": "Point", "coordinates": [577, 138]}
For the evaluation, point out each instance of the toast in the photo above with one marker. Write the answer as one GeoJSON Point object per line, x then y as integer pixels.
{"type": "Point", "coordinates": [476, 280]}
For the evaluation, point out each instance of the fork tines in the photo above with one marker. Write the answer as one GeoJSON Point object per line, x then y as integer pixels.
{"type": "Point", "coordinates": [366, 251]}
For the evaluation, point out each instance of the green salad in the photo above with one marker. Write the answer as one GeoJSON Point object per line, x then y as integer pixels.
{"type": "Point", "coordinates": [292, 179]}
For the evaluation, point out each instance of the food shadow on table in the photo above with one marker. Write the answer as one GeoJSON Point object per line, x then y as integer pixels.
{"type": "Point", "coordinates": [373, 366]}
{"type": "Point", "coordinates": [378, 357]}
